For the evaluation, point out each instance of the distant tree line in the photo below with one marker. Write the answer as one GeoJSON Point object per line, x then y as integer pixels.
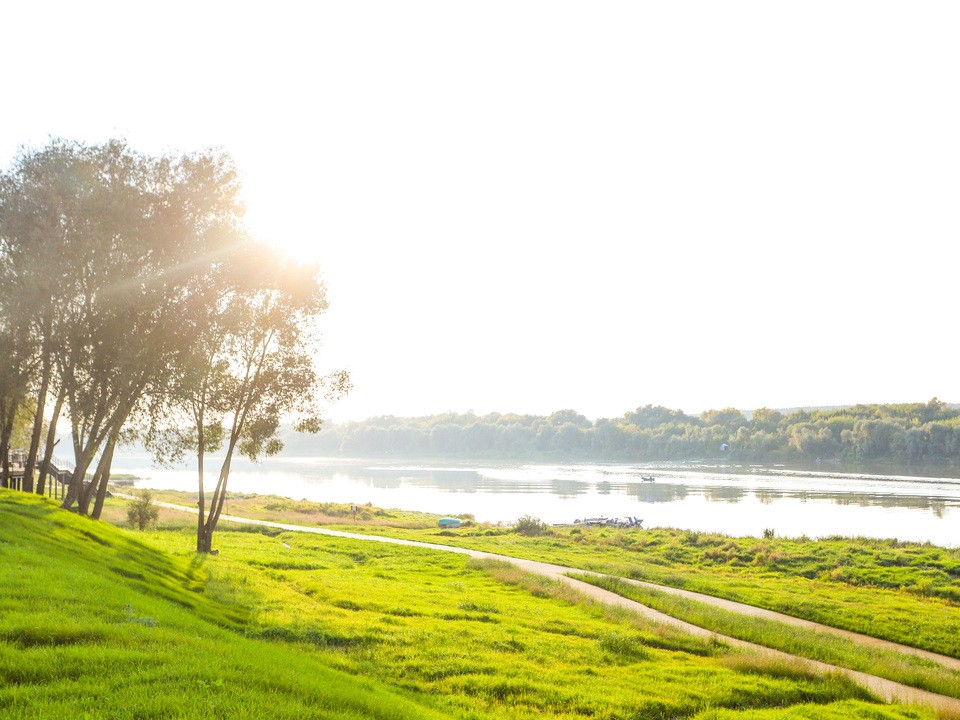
{"type": "Point", "coordinates": [907, 434]}
{"type": "Point", "coordinates": [134, 306]}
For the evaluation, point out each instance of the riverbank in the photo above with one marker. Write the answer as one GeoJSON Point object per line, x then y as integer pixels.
{"type": "Point", "coordinates": [700, 499]}
{"type": "Point", "coordinates": [286, 624]}
{"type": "Point", "coordinates": [898, 591]}
{"type": "Point", "coordinates": [932, 680]}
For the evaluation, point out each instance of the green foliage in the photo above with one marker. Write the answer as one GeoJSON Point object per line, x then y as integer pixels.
{"type": "Point", "coordinates": [22, 424]}
{"type": "Point", "coordinates": [331, 509]}
{"type": "Point", "coordinates": [162, 318]}
{"type": "Point", "coordinates": [911, 435]}
{"type": "Point", "coordinates": [531, 526]}
{"type": "Point", "coordinates": [139, 241]}
{"type": "Point", "coordinates": [141, 512]}
{"type": "Point", "coordinates": [729, 419]}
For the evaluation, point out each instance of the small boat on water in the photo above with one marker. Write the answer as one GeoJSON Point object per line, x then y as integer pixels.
{"type": "Point", "coordinates": [647, 478]}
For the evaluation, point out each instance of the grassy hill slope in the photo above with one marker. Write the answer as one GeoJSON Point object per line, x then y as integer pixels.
{"type": "Point", "coordinates": [94, 624]}
{"type": "Point", "coordinates": [98, 622]}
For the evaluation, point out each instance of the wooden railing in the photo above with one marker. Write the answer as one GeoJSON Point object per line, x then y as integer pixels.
{"type": "Point", "coordinates": [58, 474]}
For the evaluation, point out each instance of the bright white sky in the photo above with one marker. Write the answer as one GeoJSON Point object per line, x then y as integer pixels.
{"type": "Point", "coordinates": [527, 206]}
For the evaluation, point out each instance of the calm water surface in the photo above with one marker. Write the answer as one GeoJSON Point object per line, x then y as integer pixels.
{"type": "Point", "coordinates": [736, 500]}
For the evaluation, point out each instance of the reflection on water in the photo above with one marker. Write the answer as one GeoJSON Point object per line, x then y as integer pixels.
{"type": "Point", "coordinates": [766, 496]}
{"type": "Point", "coordinates": [724, 494]}
{"type": "Point", "coordinates": [657, 492]}
{"type": "Point", "coordinates": [737, 501]}
{"type": "Point", "coordinates": [566, 488]}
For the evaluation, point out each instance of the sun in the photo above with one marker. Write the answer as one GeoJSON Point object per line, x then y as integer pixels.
{"type": "Point", "coordinates": [283, 207]}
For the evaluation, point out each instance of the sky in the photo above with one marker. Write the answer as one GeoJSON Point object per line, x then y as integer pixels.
{"type": "Point", "coordinates": [527, 206]}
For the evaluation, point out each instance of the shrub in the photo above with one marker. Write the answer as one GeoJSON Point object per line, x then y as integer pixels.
{"type": "Point", "coordinates": [142, 512]}
{"type": "Point", "coordinates": [529, 525]}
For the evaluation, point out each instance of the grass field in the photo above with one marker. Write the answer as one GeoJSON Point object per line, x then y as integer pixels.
{"type": "Point", "coordinates": [903, 592]}
{"type": "Point", "coordinates": [898, 591]}
{"type": "Point", "coordinates": [97, 622]}
{"type": "Point", "coordinates": [900, 667]}
{"type": "Point", "coordinates": [772, 563]}
{"type": "Point", "coordinates": [94, 624]}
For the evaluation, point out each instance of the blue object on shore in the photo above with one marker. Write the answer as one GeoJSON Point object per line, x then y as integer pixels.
{"type": "Point", "coordinates": [449, 522]}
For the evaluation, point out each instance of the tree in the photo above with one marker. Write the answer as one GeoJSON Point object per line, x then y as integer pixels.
{"type": "Point", "coordinates": [138, 318]}
{"type": "Point", "coordinates": [141, 512]}
{"type": "Point", "coordinates": [137, 241]}
{"type": "Point", "coordinates": [158, 303]}
{"type": "Point", "coordinates": [766, 420]}
{"type": "Point", "coordinates": [569, 439]}
{"type": "Point", "coordinates": [650, 416]}
{"type": "Point", "coordinates": [870, 439]}
{"type": "Point", "coordinates": [813, 440]}
{"type": "Point", "coordinates": [18, 358]}
{"type": "Point", "coordinates": [561, 417]}
{"type": "Point", "coordinates": [729, 418]}
{"type": "Point", "coordinates": [251, 365]}
{"type": "Point", "coordinates": [531, 526]}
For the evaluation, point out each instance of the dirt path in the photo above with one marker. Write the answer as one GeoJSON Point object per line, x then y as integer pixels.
{"type": "Point", "coordinates": [886, 689]}
{"type": "Point", "coordinates": [753, 611]}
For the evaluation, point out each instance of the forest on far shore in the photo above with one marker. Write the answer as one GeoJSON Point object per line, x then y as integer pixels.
{"type": "Point", "coordinates": [909, 435]}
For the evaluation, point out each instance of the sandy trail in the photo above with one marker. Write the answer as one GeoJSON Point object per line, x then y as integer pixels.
{"type": "Point", "coordinates": [886, 689]}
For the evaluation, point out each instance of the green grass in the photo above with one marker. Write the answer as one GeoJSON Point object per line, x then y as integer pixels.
{"type": "Point", "coordinates": [897, 591]}
{"type": "Point", "coordinates": [836, 711]}
{"type": "Point", "coordinates": [902, 592]}
{"type": "Point", "coordinates": [98, 622]}
{"type": "Point", "coordinates": [487, 637]}
{"type": "Point", "coordinates": [906, 669]}
{"type": "Point", "coordinates": [94, 624]}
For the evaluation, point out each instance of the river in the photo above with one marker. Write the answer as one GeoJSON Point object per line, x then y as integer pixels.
{"type": "Point", "coordinates": [732, 499]}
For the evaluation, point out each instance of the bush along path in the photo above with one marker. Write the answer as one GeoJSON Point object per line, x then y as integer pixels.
{"type": "Point", "coordinates": [888, 690]}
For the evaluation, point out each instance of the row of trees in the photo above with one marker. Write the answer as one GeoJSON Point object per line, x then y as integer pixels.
{"type": "Point", "coordinates": [909, 434]}
{"type": "Point", "coordinates": [134, 305]}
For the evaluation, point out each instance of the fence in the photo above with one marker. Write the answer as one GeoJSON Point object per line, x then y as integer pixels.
{"type": "Point", "coordinates": [58, 474]}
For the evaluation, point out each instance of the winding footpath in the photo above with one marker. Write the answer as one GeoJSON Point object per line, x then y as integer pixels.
{"type": "Point", "coordinates": [887, 689]}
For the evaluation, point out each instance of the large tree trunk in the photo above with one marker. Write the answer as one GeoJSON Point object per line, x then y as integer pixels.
{"type": "Point", "coordinates": [37, 427]}
{"type": "Point", "coordinates": [6, 430]}
{"type": "Point", "coordinates": [51, 442]}
{"type": "Point", "coordinates": [203, 544]}
{"type": "Point", "coordinates": [103, 472]}
{"type": "Point", "coordinates": [89, 489]}
{"type": "Point", "coordinates": [85, 448]}
{"type": "Point", "coordinates": [204, 540]}
{"type": "Point", "coordinates": [75, 489]}
{"type": "Point", "coordinates": [205, 536]}
{"type": "Point", "coordinates": [101, 431]}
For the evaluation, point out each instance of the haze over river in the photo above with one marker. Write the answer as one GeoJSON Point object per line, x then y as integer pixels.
{"type": "Point", "coordinates": [732, 499]}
